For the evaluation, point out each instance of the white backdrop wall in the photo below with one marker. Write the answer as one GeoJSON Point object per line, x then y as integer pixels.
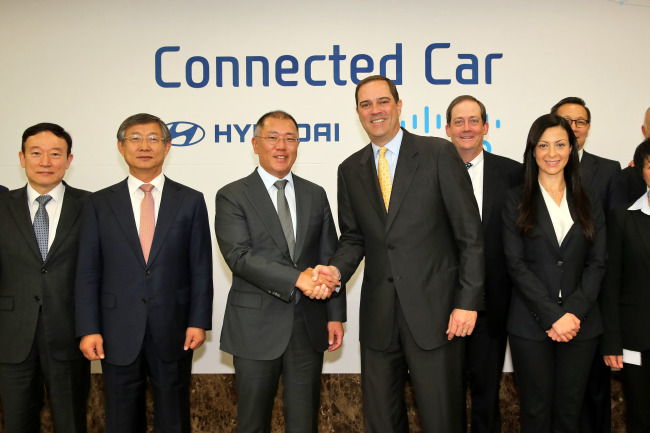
{"type": "Point", "coordinates": [87, 65]}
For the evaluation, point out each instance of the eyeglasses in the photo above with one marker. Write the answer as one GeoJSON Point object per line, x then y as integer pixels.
{"type": "Point", "coordinates": [580, 123]}
{"type": "Point", "coordinates": [137, 139]}
{"type": "Point", "coordinates": [275, 139]}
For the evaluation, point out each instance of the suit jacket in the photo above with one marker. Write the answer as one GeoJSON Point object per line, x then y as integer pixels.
{"type": "Point", "coordinates": [26, 281]}
{"type": "Point", "coordinates": [604, 177]}
{"type": "Point", "coordinates": [118, 295]}
{"type": "Point", "coordinates": [500, 174]}
{"type": "Point", "coordinates": [540, 268]}
{"type": "Point", "coordinates": [632, 184]}
{"type": "Point", "coordinates": [427, 249]}
{"type": "Point", "coordinates": [259, 315]}
{"type": "Point", "coordinates": [626, 295]}
{"type": "Point", "coordinates": [3, 189]}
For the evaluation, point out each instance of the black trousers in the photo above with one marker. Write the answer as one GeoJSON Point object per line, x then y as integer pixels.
{"type": "Point", "coordinates": [256, 381]}
{"type": "Point", "coordinates": [21, 389]}
{"type": "Point", "coordinates": [484, 357]}
{"type": "Point", "coordinates": [125, 390]}
{"type": "Point", "coordinates": [552, 379]}
{"type": "Point", "coordinates": [636, 387]}
{"type": "Point", "coordinates": [436, 375]}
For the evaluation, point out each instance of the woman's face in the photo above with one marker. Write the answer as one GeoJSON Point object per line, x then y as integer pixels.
{"type": "Point", "coordinates": [552, 151]}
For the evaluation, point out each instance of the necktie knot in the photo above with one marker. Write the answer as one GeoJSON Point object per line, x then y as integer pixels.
{"type": "Point", "coordinates": [43, 199]}
{"type": "Point", "coordinates": [468, 165]}
{"type": "Point", "coordinates": [281, 184]}
{"type": "Point", "coordinates": [382, 151]}
{"type": "Point", "coordinates": [146, 187]}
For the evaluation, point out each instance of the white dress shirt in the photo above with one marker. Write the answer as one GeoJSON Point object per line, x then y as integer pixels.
{"type": "Point", "coordinates": [476, 175]}
{"type": "Point", "coordinates": [392, 153]}
{"type": "Point", "coordinates": [53, 208]}
{"type": "Point", "coordinates": [137, 195]}
{"type": "Point", "coordinates": [641, 204]}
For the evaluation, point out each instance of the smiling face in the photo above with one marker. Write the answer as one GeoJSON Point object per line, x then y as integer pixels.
{"type": "Point", "coordinates": [378, 112]}
{"type": "Point", "coordinates": [145, 159]}
{"type": "Point", "coordinates": [466, 129]}
{"type": "Point", "coordinates": [573, 113]}
{"type": "Point", "coordinates": [552, 151]}
{"type": "Point", "coordinates": [277, 159]}
{"type": "Point", "coordinates": [45, 160]}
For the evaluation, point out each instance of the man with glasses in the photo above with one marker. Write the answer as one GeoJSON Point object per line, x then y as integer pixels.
{"type": "Point", "coordinates": [272, 228]}
{"type": "Point", "coordinates": [603, 176]}
{"type": "Point", "coordinates": [144, 284]}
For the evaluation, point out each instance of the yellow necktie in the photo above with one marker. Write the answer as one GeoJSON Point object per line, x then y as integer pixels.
{"type": "Point", "coordinates": [384, 176]}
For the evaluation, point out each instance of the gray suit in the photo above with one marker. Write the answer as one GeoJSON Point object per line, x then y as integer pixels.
{"type": "Point", "coordinates": [37, 329]}
{"type": "Point", "coordinates": [262, 321]}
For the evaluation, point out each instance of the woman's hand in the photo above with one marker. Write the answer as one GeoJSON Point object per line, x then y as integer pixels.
{"type": "Point", "coordinates": [565, 328]}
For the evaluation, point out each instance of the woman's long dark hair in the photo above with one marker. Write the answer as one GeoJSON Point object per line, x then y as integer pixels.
{"type": "Point", "coordinates": [527, 209]}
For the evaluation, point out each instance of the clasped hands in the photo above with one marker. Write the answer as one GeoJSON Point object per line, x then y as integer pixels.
{"type": "Point", "coordinates": [564, 329]}
{"type": "Point", "coordinates": [319, 282]}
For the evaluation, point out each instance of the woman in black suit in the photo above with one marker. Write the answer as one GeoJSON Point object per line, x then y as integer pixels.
{"type": "Point", "coordinates": [554, 242]}
{"type": "Point", "coordinates": [625, 299]}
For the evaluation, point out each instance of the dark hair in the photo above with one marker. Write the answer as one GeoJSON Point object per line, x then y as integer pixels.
{"type": "Point", "coordinates": [527, 210]}
{"type": "Point", "coordinates": [141, 119]}
{"type": "Point", "coordinates": [572, 100]}
{"type": "Point", "coordinates": [51, 127]}
{"type": "Point", "coordinates": [277, 114]}
{"type": "Point", "coordinates": [641, 155]}
{"type": "Point", "coordinates": [464, 98]}
{"type": "Point", "coordinates": [391, 87]}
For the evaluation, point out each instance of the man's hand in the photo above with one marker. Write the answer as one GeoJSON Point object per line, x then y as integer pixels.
{"type": "Point", "coordinates": [194, 338]}
{"type": "Point", "coordinates": [615, 361]}
{"type": "Point", "coordinates": [461, 323]}
{"type": "Point", "coordinates": [335, 330]}
{"type": "Point", "coordinates": [319, 289]}
{"type": "Point", "coordinates": [92, 346]}
{"type": "Point", "coordinates": [565, 328]}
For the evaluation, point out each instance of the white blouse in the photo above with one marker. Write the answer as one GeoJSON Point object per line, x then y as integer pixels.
{"type": "Point", "coordinates": [560, 215]}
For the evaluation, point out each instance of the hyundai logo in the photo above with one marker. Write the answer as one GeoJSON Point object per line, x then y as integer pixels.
{"type": "Point", "coordinates": [185, 133]}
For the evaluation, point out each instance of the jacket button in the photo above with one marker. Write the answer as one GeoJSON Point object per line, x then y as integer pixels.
{"type": "Point", "coordinates": [37, 298]}
{"type": "Point", "coordinates": [144, 300]}
{"type": "Point", "coordinates": [43, 271]}
{"type": "Point", "coordinates": [147, 272]}
{"type": "Point", "coordinates": [560, 263]}
{"type": "Point", "coordinates": [390, 279]}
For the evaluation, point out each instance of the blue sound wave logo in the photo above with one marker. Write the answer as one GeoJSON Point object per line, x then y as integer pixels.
{"type": "Point", "coordinates": [640, 3]}
{"type": "Point", "coordinates": [440, 124]}
{"type": "Point", "coordinates": [185, 133]}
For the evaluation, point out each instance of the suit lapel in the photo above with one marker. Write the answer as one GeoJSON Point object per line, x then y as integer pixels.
{"type": "Point", "coordinates": [19, 209]}
{"type": "Point", "coordinates": [544, 221]}
{"type": "Point", "coordinates": [120, 203]}
{"type": "Point", "coordinates": [303, 210]}
{"type": "Point", "coordinates": [72, 205]}
{"type": "Point", "coordinates": [370, 182]}
{"type": "Point", "coordinates": [170, 202]}
{"type": "Point", "coordinates": [490, 176]}
{"type": "Point", "coordinates": [261, 202]}
{"type": "Point", "coordinates": [588, 166]}
{"type": "Point", "coordinates": [407, 165]}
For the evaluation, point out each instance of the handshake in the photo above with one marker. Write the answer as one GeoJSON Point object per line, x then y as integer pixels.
{"type": "Point", "coordinates": [319, 282]}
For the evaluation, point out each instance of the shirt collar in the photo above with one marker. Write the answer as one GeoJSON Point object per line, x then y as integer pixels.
{"type": "Point", "coordinates": [478, 160]}
{"type": "Point", "coordinates": [268, 179]}
{"type": "Point", "coordinates": [134, 183]}
{"type": "Point", "coordinates": [393, 145]}
{"type": "Point", "coordinates": [56, 193]}
{"type": "Point", "coordinates": [641, 204]}
{"type": "Point", "coordinates": [580, 153]}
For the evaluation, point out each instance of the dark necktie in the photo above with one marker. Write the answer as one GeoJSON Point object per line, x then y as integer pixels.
{"type": "Point", "coordinates": [284, 213]}
{"type": "Point", "coordinates": [468, 165]}
{"type": "Point", "coordinates": [42, 224]}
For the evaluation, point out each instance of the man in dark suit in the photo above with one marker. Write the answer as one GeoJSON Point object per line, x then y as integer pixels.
{"type": "Point", "coordinates": [144, 283]}
{"type": "Point", "coordinates": [632, 183]}
{"type": "Point", "coordinates": [38, 256]}
{"type": "Point", "coordinates": [406, 204]}
{"type": "Point", "coordinates": [603, 176]}
{"type": "Point", "coordinates": [492, 176]}
{"type": "Point", "coordinates": [272, 227]}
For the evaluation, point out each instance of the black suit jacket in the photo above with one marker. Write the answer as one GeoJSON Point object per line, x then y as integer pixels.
{"type": "Point", "coordinates": [428, 248]}
{"type": "Point", "coordinates": [540, 268]}
{"type": "Point", "coordinates": [632, 184]}
{"type": "Point", "coordinates": [603, 176]}
{"type": "Point", "coordinates": [258, 321]}
{"type": "Point", "coordinates": [500, 174]}
{"type": "Point", "coordinates": [118, 294]}
{"type": "Point", "coordinates": [26, 282]}
{"type": "Point", "coordinates": [626, 293]}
